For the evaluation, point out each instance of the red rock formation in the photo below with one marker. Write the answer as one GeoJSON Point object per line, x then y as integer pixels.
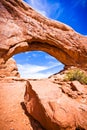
{"type": "Point", "coordinates": [13, 115]}
{"type": "Point", "coordinates": [9, 69]}
{"type": "Point", "coordinates": [57, 107]}
{"type": "Point", "coordinates": [22, 29]}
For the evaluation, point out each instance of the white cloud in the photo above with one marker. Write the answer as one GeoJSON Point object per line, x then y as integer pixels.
{"type": "Point", "coordinates": [34, 71]}
{"type": "Point", "coordinates": [32, 68]}
{"type": "Point", "coordinates": [49, 57]}
{"type": "Point", "coordinates": [44, 7]}
{"type": "Point", "coordinates": [54, 64]}
{"type": "Point", "coordinates": [35, 54]}
{"type": "Point", "coordinates": [39, 6]}
{"type": "Point", "coordinates": [38, 75]}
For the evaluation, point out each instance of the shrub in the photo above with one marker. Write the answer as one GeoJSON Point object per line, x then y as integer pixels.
{"type": "Point", "coordinates": [76, 74]}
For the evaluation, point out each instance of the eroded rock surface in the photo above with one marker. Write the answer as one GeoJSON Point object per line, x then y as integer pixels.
{"type": "Point", "coordinates": [13, 113]}
{"type": "Point", "coordinates": [54, 103]}
{"type": "Point", "coordinates": [23, 29]}
{"type": "Point", "coordinates": [9, 69]}
{"type": "Point", "coordinates": [55, 106]}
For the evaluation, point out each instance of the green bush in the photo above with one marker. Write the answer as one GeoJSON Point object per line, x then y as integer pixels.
{"type": "Point", "coordinates": [76, 74]}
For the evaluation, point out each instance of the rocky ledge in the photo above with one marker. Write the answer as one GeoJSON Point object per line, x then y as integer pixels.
{"type": "Point", "coordinates": [57, 105]}
{"type": "Point", "coordinates": [51, 104]}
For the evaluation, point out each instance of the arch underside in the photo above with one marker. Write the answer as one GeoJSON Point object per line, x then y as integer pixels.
{"type": "Point", "coordinates": [54, 51]}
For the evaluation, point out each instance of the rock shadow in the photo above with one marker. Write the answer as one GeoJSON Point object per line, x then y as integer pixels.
{"type": "Point", "coordinates": [34, 123]}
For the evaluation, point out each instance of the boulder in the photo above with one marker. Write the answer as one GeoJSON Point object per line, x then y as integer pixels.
{"type": "Point", "coordinates": [23, 29]}
{"type": "Point", "coordinates": [77, 86]}
{"type": "Point", "coordinates": [53, 108]}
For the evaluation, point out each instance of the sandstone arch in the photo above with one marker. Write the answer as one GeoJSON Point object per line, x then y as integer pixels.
{"type": "Point", "coordinates": [22, 29]}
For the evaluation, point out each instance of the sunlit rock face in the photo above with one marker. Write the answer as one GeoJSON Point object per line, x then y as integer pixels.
{"type": "Point", "coordinates": [9, 69]}
{"type": "Point", "coordinates": [23, 29]}
{"type": "Point", "coordinates": [57, 105]}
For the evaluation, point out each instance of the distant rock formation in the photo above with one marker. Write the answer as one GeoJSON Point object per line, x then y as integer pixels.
{"type": "Point", "coordinates": [9, 69]}
{"type": "Point", "coordinates": [23, 29]}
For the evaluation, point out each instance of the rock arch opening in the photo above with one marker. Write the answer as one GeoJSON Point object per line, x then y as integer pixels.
{"type": "Point", "coordinates": [37, 64]}
{"type": "Point", "coordinates": [23, 29]}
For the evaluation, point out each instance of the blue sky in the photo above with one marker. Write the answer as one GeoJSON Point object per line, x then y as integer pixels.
{"type": "Point", "coordinates": [37, 64]}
